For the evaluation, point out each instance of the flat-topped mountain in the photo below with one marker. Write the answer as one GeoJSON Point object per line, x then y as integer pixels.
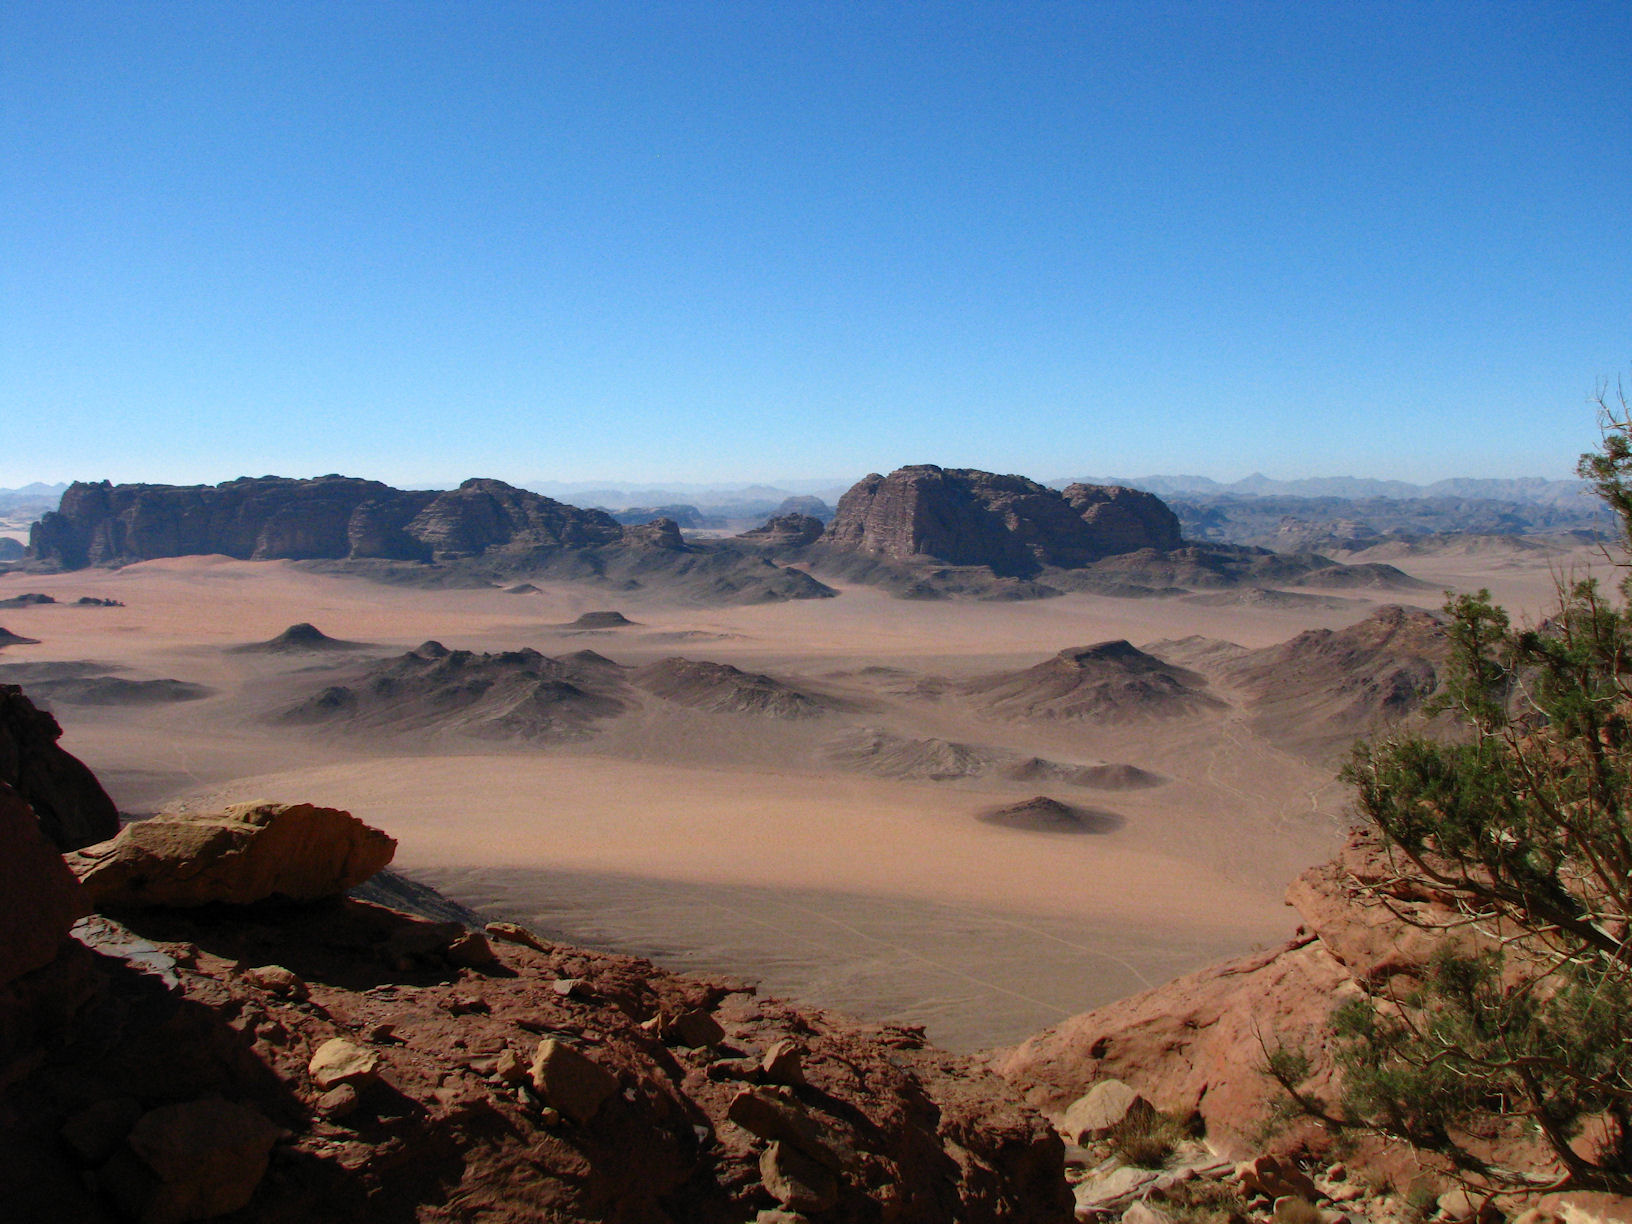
{"type": "Point", "coordinates": [274, 517]}
{"type": "Point", "coordinates": [1009, 523]}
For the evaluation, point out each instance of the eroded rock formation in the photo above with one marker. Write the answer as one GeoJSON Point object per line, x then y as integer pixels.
{"type": "Point", "coordinates": [1009, 523]}
{"type": "Point", "coordinates": [269, 517]}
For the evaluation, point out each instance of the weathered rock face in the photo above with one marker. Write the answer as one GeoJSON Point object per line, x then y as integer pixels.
{"type": "Point", "coordinates": [246, 853]}
{"type": "Point", "coordinates": [72, 807]}
{"type": "Point", "coordinates": [1009, 523]}
{"type": "Point", "coordinates": [269, 517]}
{"type": "Point", "coordinates": [39, 897]}
{"type": "Point", "coordinates": [1125, 520]}
{"type": "Point", "coordinates": [1196, 1044]}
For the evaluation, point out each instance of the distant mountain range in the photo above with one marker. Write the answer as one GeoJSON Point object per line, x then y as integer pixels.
{"type": "Point", "coordinates": [1532, 489]}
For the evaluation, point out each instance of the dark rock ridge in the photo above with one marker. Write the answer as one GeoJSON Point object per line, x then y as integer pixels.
{"type": "Point", "coordinates": [72, 807]}
{"type": "Point", "coordinates": [268, 517]}
{"type": "Point", "coordinates": [8, 638]}
{"type": "Point", "coordinates": [1009, 523]}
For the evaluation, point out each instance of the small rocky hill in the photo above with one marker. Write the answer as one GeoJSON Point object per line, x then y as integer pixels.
{"type": "Point", "coordinates": [515, 694]}
{"type": "Point", "coordinates": [1321, 689]}
{"type": "Point", "coordinates": [1317, 692]}
{"type": "Point", "coordinates": [724, 689]}
{"type": "Point", "coordinates": [1107, 681]}
{"type": "Point", "coordinates": [301, 638]}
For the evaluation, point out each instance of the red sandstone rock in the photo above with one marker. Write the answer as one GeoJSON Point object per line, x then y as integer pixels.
{"type": "Point", "coordinates": [247, 853]}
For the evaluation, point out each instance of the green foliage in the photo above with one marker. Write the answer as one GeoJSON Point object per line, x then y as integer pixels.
{"type": "Point", "coordinates": [1522, 825]}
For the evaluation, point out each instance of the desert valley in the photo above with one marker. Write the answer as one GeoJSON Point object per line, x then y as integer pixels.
{"type": "Point", "coordinates": [828, 794]}
{"type": "Point", "coordinates": [971, 763]}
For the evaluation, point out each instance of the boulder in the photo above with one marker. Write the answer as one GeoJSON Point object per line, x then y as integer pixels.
{"type": "Point", "coordinates": [781, 1064]}
{"type": "Point", "coordinates": [249, 852]}
{"type": "Point", "coordinates": [784, 1121]}
{"type": "Point", "coordinates": [795, 1180]}
{"type": "Point", "coordinates": [1276, 1179]}
{"type": "Point", "coordinates": [338, 1061]}
{"type": "Point", "coordinates": [208, 1157]}
{"type": "Point", "coordinates": [1102, 1109]}
{"type": "Point", "coordinates": [570, 1081]}
{"type": "Point", "coordinates": [72, 808]}
{"type": "Point", "coordinates": [39, 897]}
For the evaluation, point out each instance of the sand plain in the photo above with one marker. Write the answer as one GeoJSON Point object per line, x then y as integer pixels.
{"type": "Point", "coordinates": [740, 843]}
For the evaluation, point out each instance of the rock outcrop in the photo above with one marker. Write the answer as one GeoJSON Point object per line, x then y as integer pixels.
{"type": "Point", "coordinates": [1008, 523]}
{"type": "Point", "coordinates": [1195, 1046]}
{"type": "Point", "coordinates": [268, 517]}
{"type": "Point", "coordinates": [246, 853]}
{"type": "Point", "coordinates": [40, 896]}
{"type": "Point", "coordinates": [72, 807]}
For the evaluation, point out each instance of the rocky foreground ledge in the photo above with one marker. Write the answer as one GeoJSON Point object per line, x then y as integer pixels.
{"type": "Point", "coordinates": [208, 1046]}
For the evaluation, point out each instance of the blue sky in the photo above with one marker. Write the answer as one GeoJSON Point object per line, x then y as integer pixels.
{"type": "Point", "coordinates": [717, 241]}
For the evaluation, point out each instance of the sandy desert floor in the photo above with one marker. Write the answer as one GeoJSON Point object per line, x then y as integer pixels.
{"type": "Point", "coordinates": [734, 843]}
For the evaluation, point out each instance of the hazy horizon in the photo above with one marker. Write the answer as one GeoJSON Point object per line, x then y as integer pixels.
{"type": "Point", "coordinates": [530, 241]}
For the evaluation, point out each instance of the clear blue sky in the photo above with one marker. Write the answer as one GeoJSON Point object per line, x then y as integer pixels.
{"type": "Point", "coordinates": [717, 241]}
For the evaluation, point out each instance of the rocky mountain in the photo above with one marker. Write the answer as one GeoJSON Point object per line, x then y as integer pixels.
{"type": "Point", "coordinates": [724, 689]}
{"type": "Point", "coordinates": [233, 1036]}
{"type": "Point", "coordinates": [1009, 524]}
{"type": "Point", "coordinates": [330, 516]}
{"type": "Point", "coordinates": [1321, 689]}
{"type": "Point", "coordinates": [484, 531]}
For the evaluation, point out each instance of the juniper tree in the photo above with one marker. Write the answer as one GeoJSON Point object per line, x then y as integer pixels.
{"type": "Point", "coordinates": [1522, 824]}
